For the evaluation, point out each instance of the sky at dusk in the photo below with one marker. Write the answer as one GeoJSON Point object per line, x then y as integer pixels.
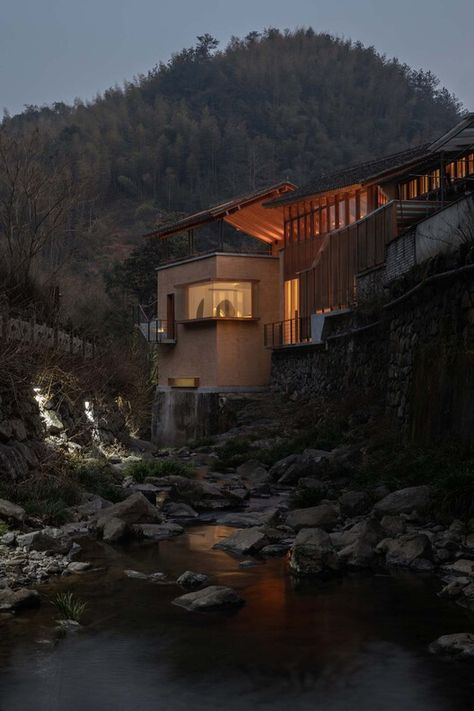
{"type": "Point", "coordinates": [56, 50]}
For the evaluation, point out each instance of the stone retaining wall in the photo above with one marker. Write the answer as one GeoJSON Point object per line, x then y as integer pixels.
{"type": "Point", "coordinates": [415, 359]}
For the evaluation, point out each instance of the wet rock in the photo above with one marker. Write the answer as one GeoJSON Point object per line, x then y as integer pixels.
{"type": "Point", "coordinates": [134, 509]}
{"type": "Point", "coordinates": [68, 627]}
{"type": "Point", "coordinates": [191, 580]}
{"type": "Point", "coordinates": [14, 600]}
{"type": "Point", "coordinates": [413, 498]}
{"type": "Point", "coordinates": [149, 577]}
{"type": "Point", "coordinates": [275, 550]}
{"type": "Point", "coordinates": [407, 550]}
{"type": "Point", "coordinates": [354, 503]}
{"type": "Point", "coordinates": [250, 540]}
{"type": "Point", "coordinates": [157, 531]}
{"type": "Point", "coordinates": [78, 566]}
{"type": "Point", "coordinates": [248, 564]}
{"type": "Point", "coordinates": [214, 597]}
{"type": "Point", "coordinates": [323, 516]}
{"type": "Point", "coordinates": [313, 554]}
{"type": "Point", "coordinates": [11, 512]}
{"type": "Point", "coordinates": [460, 645]}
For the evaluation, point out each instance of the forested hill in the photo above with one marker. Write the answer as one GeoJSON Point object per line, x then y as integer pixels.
{"type": "Point", "coordinates": [212, 123]}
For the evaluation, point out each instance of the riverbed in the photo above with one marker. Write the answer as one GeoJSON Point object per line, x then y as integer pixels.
{"type": "Point", "coordinates": [359, 643]}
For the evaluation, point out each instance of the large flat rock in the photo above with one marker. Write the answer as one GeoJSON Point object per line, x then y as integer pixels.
{"type": "Point", "coordinates": [214, 597]}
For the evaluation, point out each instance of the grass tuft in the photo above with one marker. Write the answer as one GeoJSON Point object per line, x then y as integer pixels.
{"type": "Point", "coordinates": [69, 606]}
{"type": "Point", "coordinates": [166, 467]}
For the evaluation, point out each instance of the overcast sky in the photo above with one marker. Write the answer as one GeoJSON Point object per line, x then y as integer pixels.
{"type": "Point", "coordinates": [56, 50]}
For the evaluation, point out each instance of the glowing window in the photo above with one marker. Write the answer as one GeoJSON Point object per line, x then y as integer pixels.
{"type": "Point", "coordinates": [220, 299]}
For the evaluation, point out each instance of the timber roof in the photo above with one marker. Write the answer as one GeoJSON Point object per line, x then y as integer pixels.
{"type": "Point", "coordinates": [355, 174]}
{"type": "Point", "coordinates": [459, 138]}
{"type": "Point", "coordinates": [245, 213]}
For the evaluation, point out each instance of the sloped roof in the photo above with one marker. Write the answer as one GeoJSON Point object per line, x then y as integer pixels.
{"type": "Point", "coordinates": [353, 175]}
{"type": "Point", "coordinates": [245, 213]}
{"type": "Point", "coordinates": [460, 137]}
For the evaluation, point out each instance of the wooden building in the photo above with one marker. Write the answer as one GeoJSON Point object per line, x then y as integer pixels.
{"type": "Point", "coordinates": [338, 226]}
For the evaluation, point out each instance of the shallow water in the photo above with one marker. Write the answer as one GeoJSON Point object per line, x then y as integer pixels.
{"type": "Point", "coordinates": [355, 644]}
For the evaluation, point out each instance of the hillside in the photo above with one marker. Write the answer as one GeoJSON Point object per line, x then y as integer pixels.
{"type": "Point", "coordinates": [212, 123]}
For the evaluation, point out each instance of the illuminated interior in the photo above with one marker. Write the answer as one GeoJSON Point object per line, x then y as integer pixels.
{"type": "Point", "coordinates": [292, 300]}
{"type": "Point", "coordinates": [220, 299]}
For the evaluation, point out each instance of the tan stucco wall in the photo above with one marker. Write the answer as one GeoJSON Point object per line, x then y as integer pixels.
{"type": "Point", "coordinates": [221, 353]}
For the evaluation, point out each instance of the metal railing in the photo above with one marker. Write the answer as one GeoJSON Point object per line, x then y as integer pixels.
{"type": "Point", "coordinates": [153, 329]}
{"type": "Point", "coordinates": [287, 333]}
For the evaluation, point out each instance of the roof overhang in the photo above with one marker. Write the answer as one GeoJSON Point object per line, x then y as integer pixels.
{"type": "Point", "coordinates": [246, 214]}
{"type": "Point", "coordinates": [458, 139]}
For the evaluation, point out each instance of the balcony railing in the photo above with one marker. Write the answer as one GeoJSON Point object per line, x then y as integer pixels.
{"type": "Point", "coordinates": [153, 329]}
{"type": "Point", "coordinates": [287, 333]}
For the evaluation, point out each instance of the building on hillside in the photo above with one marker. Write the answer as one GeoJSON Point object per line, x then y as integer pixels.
{"type": "Point", "coordinates": [326, 247]}
{"type": "Point", "coordinates": [349, 232]}
{"type": "Point", "coordinates": [208, 321]}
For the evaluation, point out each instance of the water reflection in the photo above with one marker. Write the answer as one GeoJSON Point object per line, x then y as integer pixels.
{"type": "Point", "coordinates": [357, 643]}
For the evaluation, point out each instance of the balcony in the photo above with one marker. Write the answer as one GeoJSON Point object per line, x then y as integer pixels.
{"type": "Point", "coordinates": [154, 330]}
{"type": "Point", "coordinates": [287, 333]}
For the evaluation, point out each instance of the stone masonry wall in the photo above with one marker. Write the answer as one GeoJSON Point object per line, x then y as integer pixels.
{"type": "Point", "coordinates": [415, 359]}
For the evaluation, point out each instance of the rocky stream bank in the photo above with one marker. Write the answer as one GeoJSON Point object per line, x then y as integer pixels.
{"type": "Point", "coordinates": [304, 507]}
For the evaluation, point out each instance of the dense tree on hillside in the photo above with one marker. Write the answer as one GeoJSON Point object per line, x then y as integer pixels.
{"type": "Point", "coordinates": [213, 123]}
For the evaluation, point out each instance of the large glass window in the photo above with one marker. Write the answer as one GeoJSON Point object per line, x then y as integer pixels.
{"type": "Point", "coordinates": [220, 299]}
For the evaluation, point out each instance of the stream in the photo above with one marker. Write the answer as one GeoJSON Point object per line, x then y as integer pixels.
{"type": "Point", "coordinates": [359, 643]}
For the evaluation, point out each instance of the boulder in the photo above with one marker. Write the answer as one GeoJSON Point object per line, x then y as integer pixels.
{"type": "Point", "coordinates": [191, 580]}
{"type": "Point", "coordinates": [134, 509]}
{"type": "Point", "coordinates": [177, 510]}
{"type": "Point", "coordinates": [463, 566]}
{"type": "Point", "coordinates": [407, 550]}
{"type": "Point", "coordinates": [368, 531]}
{"type": "Point", "coordinates": [313, 554]}
{"type": "Point", "coordinates": [77, 566]}
{"type": "Point", "coordinates": [250, 540]}
{"type": "Point", "coordinates": [114, 530]}
{"type": "Point", "coordinates": [11, 512]}
{"type": "Point", "coordinates": [359, 555]}
{"type": "Point", "coordinates": [354, 503]}
{"type": "Point", "coordinates": [214, 597]}
{"type": "Point", "coordinates": [312, 462]}
{"type": "Point", "coordinates": [323, 516]}
{"type": "Point", "coordinates": [393, 525]}
{"type": "Point", "coordinates": [13, 600]}
{"type": "Point", "coordinates": [459, 645]}
{"type": "Point", "coordinates": [157, 531]}
{"type": "Point", "coordinates": [254, 472]}
{"type": "Point", "coordinates": [413, 498]}
{"type": "Point", "coordinates": [47, 540]}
